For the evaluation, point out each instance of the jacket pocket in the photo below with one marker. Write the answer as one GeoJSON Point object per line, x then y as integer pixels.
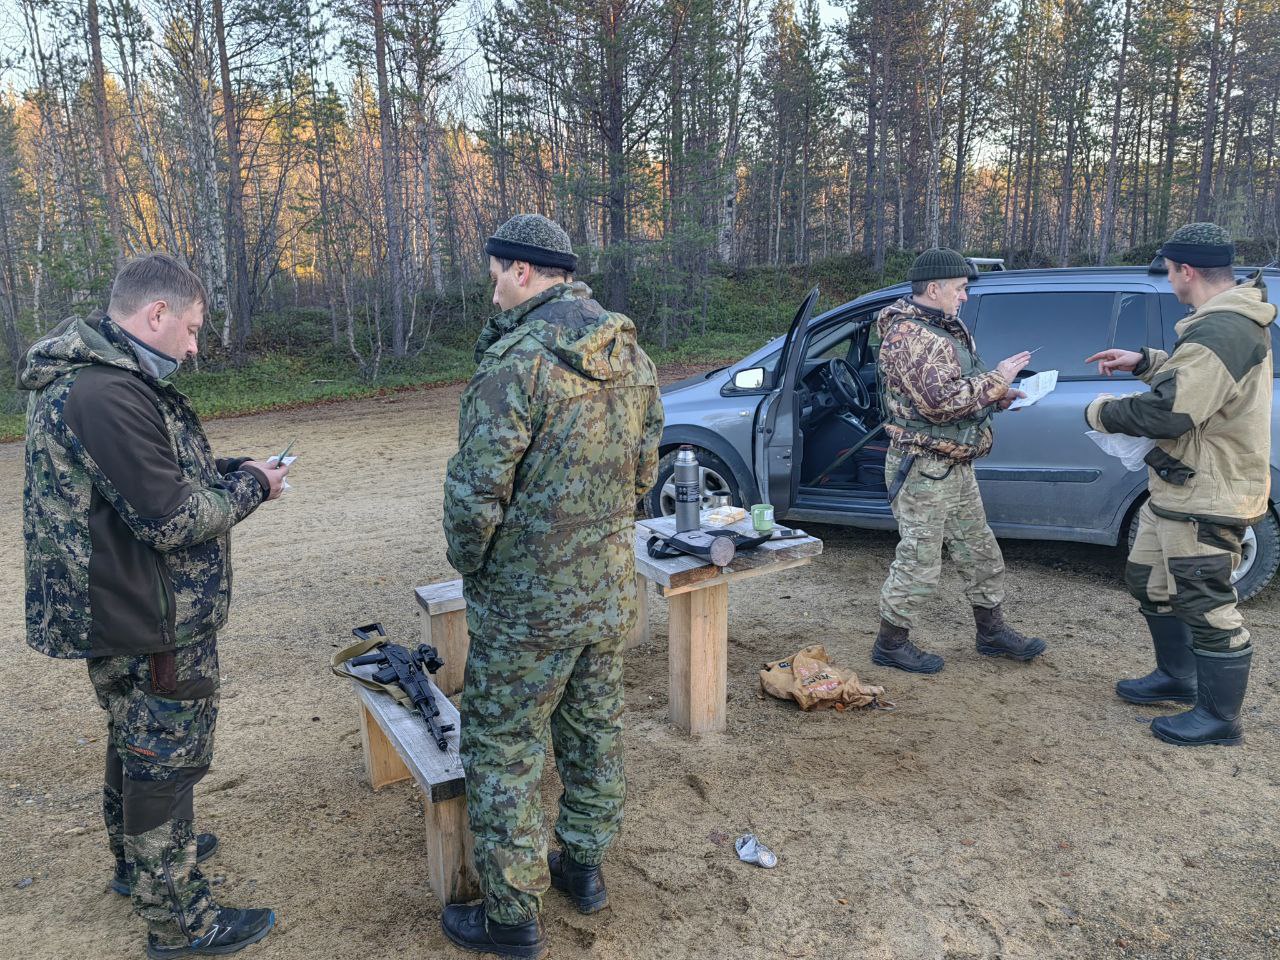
{"type": "Point", "coordinates": [1168, 467]}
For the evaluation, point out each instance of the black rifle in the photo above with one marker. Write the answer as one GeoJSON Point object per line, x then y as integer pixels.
{"type": "Point", "coordinates": [410, 671]}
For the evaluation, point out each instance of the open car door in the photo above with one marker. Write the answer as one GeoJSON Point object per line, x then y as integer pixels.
{"type": "Point", "coordinates": [778, 441]}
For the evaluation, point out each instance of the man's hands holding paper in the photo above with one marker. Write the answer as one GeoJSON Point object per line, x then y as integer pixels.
{"type": "Point", "coordinates": [274, 472]}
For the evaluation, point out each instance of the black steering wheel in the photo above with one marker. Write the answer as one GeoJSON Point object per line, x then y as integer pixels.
{"type": "Point", "coordinates": [847, 385]}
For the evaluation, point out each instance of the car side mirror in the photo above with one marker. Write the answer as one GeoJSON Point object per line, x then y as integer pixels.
{"type": "Point", "coordinates": [752, 379]}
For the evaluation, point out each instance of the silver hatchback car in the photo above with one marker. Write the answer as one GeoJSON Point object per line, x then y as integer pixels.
{"type": "Point", "coordinates": [797, 423]}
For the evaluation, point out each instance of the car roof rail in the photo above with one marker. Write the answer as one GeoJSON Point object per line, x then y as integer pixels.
{"type": "Point", "coordinates": [995, 263]}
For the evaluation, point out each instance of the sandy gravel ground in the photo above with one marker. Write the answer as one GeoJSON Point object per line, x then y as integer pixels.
{"type": "Point", "coordinates": [1003, 810]}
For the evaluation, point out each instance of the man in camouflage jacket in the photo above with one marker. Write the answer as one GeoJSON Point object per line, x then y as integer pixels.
{"type": "Point", "coordinates": [1209, 411]}
{"type": "Point", "coordinates": [938, 400]}
{"type": "Point", "coordinates": [558, 436]}
{"type": "Point", "coordinates": [127, 519]}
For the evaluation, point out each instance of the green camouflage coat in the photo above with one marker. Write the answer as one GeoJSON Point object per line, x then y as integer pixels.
{"type": "Point", "coordinates": [558, 436]}
{"type": "Point", "coordinates": [937, 395]}
{"type": "Point", "coordinates": [126, 514]}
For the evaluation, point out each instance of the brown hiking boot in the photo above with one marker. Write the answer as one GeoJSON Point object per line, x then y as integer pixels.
{"type": "Point", "coordinates": [997, 639]}
{"type": "Point", "coordinates": [893, 648]}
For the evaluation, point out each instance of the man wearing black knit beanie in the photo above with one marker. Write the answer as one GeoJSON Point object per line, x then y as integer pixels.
{"type": "Point", "coordinates": [1209, 476]}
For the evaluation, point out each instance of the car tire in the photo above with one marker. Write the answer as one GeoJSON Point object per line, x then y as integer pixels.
{"type": "Point", "coordinates": [1261, 554]}
{"type": "Point", "coordinates": [717, 478]}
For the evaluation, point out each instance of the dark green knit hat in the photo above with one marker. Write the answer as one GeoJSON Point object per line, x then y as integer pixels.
{"type": "Point", "coordinates": [1200, 245]}
{"type": "Point", "coordinates": [533, 238]}
{"type": "Point", "coordinates": [940, 263]}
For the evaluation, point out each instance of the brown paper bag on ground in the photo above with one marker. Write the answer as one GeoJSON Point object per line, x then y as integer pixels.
{"type": "Point", "coordinates": [813, 681]}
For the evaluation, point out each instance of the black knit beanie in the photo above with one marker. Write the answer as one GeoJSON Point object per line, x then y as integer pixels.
{"type": "Point", "coordinates": [534, 239]}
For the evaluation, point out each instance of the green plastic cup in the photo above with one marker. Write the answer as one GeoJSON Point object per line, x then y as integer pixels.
{"type": "Point", "coordinates": [762, 517]}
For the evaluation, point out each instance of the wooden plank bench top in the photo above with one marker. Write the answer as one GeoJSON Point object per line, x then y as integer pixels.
{"type": "Point", "coordinates": [682, 574]}
{"type": "Point", "coordinates": [438, 773]}
{"type": "Point", "coordinates": [437, 598]}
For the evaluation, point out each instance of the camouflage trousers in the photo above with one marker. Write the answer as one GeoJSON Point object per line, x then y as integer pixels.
{"type": "Point", "coordinates": [515, 694]}
{"type": "Point", "coordinates": [939, 505]}
{"type": "Point", "coordinates": [161, 712]}
{"type": "Point", "coordinates": [1184, 567]}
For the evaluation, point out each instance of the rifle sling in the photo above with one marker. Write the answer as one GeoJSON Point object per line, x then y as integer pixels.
{"type": "Point", "coordinates": [394, 690]}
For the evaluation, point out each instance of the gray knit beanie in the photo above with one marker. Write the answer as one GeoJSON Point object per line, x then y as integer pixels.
{"type": "Point", "coordinates": [940, 263]}
{"type": "Point", "coordinates": [1200, 245]}
{"type": "Point", "coordinates": [533, 238]}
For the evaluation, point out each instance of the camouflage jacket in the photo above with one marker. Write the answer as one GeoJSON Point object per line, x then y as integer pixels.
{"type": "Point", "coordinates": [126, 514]}
{"type": "Point", "coordinates": [1209, 408]}
{"type": "Point", "coordinates": [557, 437]}
{"type": "Point", "coordinates": [936, 394]}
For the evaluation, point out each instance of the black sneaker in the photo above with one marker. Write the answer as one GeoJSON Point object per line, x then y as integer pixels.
{"type": "Point", "coordinates": [229, 931]}
{"type": "Point", "coordinates": [206, 847]}
{"type": "Point", "coordinates": [582, 884]}
{"type": "Point", "coordinates": [468, 927]}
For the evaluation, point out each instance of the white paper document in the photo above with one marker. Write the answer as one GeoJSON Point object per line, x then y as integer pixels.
{"type": "Point", "coordinates": [285, 487]}
{"type": "Point", "coordinates": [1035, 388]}
{"type": "Point", "coordinates": [1130, 450]}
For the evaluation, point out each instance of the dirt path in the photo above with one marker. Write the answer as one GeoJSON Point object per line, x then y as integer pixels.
{"type": "Point", "coordinates": [1003, 810]}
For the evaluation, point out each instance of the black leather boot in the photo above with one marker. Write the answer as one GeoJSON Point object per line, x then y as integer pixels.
{"type": "Point", "coordinates": [893, 648]}
{"type": "Point", "coordinates": [468, 927]}
{"type": "Point", "coordinates": [206, 847]}
{"type": "Point", "coordinates": [997, 639]}
{"type": "Point", "coordinates": [582, 884]}
{"type": "Point", "coordinates": [1221, 680]}
{"type": "Point", "coordinates": [230, 930]}
{"type": "Point", "coordinates": [1174, 678]}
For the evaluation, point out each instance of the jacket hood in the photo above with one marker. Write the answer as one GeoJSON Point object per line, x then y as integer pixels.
{"type": "Point", "coordinates": [600, 347]}
{"type": "Point", "coordinates": [73, 343]}
{"type": "Point", "coordinates": [567, 322]}
{"type": "Point", "coordinates": [1248, 298]}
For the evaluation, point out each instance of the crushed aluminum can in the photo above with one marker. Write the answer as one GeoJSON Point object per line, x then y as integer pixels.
{"type": "Point", "coordinates": [751, 850]}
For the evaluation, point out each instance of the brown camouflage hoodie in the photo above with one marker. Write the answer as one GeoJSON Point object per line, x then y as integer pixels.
{"type": "Point", "coordinates": [937, 395]}
{"type": "Point", "coordinates": [1209, 408]}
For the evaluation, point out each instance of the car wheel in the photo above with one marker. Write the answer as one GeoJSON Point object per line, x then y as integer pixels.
{"type": "Point", "coordinates": [717, 480]}
{"type": "Point", "coordinates": [1259, 555]}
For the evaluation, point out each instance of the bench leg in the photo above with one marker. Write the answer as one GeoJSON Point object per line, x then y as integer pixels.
{"type": "Point", "coordinates": [640, 632]}
{"type": "Point", "coordinates": [382, 764]}
{"type": "Point", "coordinates": [451, 868]}
{"type": "Point", "coordinates": [447, 632]}
{"type": "Point", "coordinates": [698, 653]}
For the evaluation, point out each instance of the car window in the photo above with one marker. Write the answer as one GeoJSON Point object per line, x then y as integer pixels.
{"type": "Point", "coordinates": [831, 342]}
{"type": "Point", "coordinates": [1065, 326]}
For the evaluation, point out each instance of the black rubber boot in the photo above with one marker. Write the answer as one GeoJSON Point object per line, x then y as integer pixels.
{"type": "Point", "coordinates": [996, 638]}
{"type": "Point", "coordinates": [1174, 678]}
{"type": "Point", "coordinates": [582, 884]}
{"type": "Point", "coordinates": [893, 648]}
{"type": "Point", "coordinates": [206, 847]}
{"type": "Point", "coordinates": [468, 927]}
{"type": "Point", "coordinates": [1221, 680]}
{"type": "Point", "coordinates": [230, 930]}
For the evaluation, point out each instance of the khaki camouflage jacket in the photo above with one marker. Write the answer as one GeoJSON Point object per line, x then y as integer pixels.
{"type": "Point", "coordinates": [1209, 408]}
{"type": "Point", "coordinates": [937, 396]}
{"type": "Point", "coordinates": [557, 437]}
{"type": "Point", "coordinates": [126, 514]}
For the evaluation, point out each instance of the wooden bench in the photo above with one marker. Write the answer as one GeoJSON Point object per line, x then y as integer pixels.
{"type": "Point", "coordinates": [698, 631]}
{"type": "Point", "coordinates": [397, 747]}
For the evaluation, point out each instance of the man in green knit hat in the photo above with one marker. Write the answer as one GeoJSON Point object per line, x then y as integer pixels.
{"type": "Point", "coordinates": [938, 399]}
{"type": "Point", "coordinates": [1209, 411]}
